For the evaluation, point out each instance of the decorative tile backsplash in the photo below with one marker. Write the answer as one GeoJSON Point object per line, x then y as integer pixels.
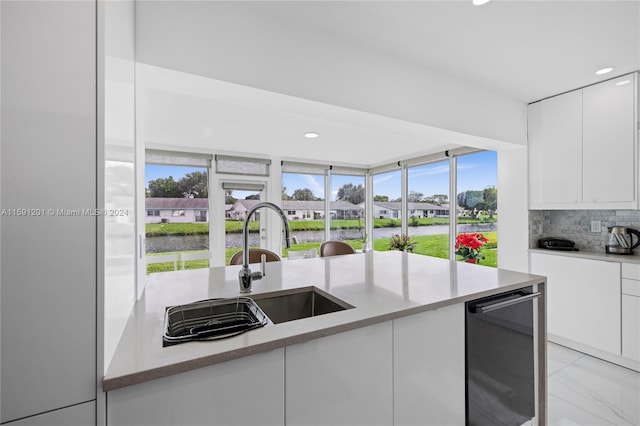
{"type": "Point", "coordinates": [576, 225]}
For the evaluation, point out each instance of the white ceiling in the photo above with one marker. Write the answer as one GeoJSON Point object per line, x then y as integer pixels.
{"type": "Point", "coordinates": [523, 50]}
{"type": "Point", "coordinates": [527, 50]}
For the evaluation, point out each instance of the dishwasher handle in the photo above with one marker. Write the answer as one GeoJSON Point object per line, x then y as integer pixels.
{"type": "Point", "coordinates": [488, 306]}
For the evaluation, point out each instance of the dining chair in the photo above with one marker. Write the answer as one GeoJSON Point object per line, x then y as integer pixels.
{"type": "Point", "coordinates": [335, 248]}
{"type": "Point", "coordinates": [255, 256]}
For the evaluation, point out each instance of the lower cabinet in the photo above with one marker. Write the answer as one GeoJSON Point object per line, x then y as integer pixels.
{"type": "Point", "coordinates": [583, 300]}
{"type": "Point", "coordinates": [245, 391]}
{"type": "Point", "coordinates": [429, 368]}
{"type": "Point", "coordinates": [631, 327]}
{"type": "Point", "coordinates": [77, 415]}
{"type": "Point", "coordinates": [343, 379]}
{"type": "Point", "coordinates": [408, 371]}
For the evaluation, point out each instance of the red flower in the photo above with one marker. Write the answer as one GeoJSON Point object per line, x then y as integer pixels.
{"type": "Point", "coordinates": [468, 245]}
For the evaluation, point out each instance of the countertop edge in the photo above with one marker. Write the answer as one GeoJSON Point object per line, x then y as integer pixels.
{"type": "Point", "coordinates": [592, 255]}
{"type": "Point", "coordinates": [122, 381]}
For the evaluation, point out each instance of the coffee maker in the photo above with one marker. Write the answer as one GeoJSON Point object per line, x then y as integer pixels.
{"type": "Point", "coordinates": [620, 240]}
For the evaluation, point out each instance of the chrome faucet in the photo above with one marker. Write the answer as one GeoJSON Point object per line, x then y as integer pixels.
{"type": "Point", "coordinates": [245, 275]}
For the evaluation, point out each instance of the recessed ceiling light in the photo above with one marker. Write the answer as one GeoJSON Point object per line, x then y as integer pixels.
{"type": "Point", "coordinates": [623, 82]}
{"type": "Point", "coordinates": [311, 135]}
{"type": "Point", "coordinates": [604, 70]}
{"type": "Point", "coordinates": [480, 2]}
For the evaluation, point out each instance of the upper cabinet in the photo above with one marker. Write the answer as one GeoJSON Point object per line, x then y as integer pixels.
{"type": "Point", "coordinates": [583, 148]}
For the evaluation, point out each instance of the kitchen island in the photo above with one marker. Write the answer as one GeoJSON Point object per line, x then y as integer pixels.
{"type": "Point", "coordinates": [396, 357]}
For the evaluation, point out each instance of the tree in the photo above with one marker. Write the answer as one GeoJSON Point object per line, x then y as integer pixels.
{"type": "Point", "coordinates": [469, 199]}
{"type": "Point", "coordinates": [381, 198]}
{"type": "Point", "coordinates": [228, 197]}
{"type": "Point", "coordinates": [164, 188]}
{"type": "Point", "coordinates": [303, 195]}
{"type": "Point", "coordinates": [351, 193]}
{"type": "Point", "coordinates": [490, 202]}
{"type": "Point", "coordinates": [194, 185]}
{"type": "Point", "coordinates": [440, 198]}
{"type": "Point", "coordinates": [252, 197]}
{"type": "Point", "coordinates": [414, 196]}
{"type": "Point", "coordinates": [285, 196]}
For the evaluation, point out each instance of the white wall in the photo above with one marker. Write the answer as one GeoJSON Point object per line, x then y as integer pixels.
{"type": "Point", "coordinates": [240, 43]}
{"type": "Point", "coordinates": [119, 169]}
{"type": "Point", "coordinates": [513, 214]}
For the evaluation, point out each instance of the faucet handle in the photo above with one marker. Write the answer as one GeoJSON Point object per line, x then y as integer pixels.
{"type": "Point", "coordinates": [263, 264]}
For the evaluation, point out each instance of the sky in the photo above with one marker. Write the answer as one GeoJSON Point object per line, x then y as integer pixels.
{"type": "Point", "coordinates": [475, 172]}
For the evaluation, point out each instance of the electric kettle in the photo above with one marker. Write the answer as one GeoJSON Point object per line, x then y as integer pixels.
{"type": "Point", "coordinates": [620, 240]}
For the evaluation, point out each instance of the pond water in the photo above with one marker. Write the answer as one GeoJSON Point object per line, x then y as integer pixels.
{"type": "Point", "coordinates": [201, 242]}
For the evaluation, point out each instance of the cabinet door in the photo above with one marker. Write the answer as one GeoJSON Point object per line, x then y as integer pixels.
{"type": "Point", "coordinates": [583, 299]}
{"type": "Point", "coordinates": [48, 263]}
{"type": "Point", "coordinates": [609, 152]}
{"type": "Point", "coordinates": [631, 327]}
{"type": "Point", "coordinates": [555, 151]}
{"type": "Point", "coordinates": [244, 391]}
{"type": "Point", "coordinates": [344, 379]}
{"type": "Point", "coordinates": [429, 367]}
{"type": "Point", "coordinates": [76, 415]}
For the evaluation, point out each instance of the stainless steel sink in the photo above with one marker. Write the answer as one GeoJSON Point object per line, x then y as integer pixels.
{"type": "Point", "coordinates": [290, 305]}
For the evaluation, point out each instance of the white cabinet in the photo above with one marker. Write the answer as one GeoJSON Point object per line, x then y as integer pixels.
{"type": "Point", "coordinates": [608, 150]}
{"type": "Point", "coordinates": [583, 300]}
{"type": "Point", "coordinates": [631, 311]}
{"type": "Point", "coordinates": [77, 415]}
{"type": "Point", "coordinates": [48, 264]}
{"type": "Point", "coordinates": [555, 150]}
{"type": "Point", "coordinates": [583, 148]}
{"type": "Point", "coordinates": [429, 368]}
{"type": "Point", "coordinates": [343, 379]}
{"type": "Point", "coordinates": [245, 391]}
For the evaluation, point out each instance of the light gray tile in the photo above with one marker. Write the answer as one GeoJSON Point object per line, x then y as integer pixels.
{"type": "Point", "coordinates": [559, 357]}
{"type": "Point", "coordinates": [600, 388]}
{"type": "Point", "coordinates": [563, 413]}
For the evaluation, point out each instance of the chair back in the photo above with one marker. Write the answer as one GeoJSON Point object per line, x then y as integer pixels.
{"type": "Point", "coordinates": [255, 256]}
{"type": "Point", "coordinates": [335, 248]}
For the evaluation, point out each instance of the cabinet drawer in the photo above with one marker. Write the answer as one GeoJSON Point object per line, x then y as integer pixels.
{"type": "Point", "coordinates": [631, 271]}
{"type": "Point", "coordinates": [631, 287]}
{"type": "Point", "coordinates": [631, 327]}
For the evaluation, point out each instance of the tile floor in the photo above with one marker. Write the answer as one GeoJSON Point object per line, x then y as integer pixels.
{"type": "Point", "coordinates": [587, 391]}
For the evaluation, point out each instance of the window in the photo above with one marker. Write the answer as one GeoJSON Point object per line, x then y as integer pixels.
{"type": "Point", "coordinates": [387, 205]}
{"type": "Point", "coordinates": [428, 193]}
{"type": "Point", "coordinates": [241, 197]}
{"type": "Point", "coordinates": [177, 204]}
{"type": "Point", "coordinates": [477, 201]}
{"type": "Point", "coordinates": [303, 197]}
{"type": "Point", "coordinates": [347, 209]}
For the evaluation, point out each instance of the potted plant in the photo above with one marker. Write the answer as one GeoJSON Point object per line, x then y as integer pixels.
{"type": "Point", "coordinates": [401, 242]}
{"type": "Point", "coordinates": [468, 246]}
{"type": "Point", "coordinates": [365, 243]}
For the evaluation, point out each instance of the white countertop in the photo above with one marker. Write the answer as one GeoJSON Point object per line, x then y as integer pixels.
{"type": "Point", "coordinates": [380, 285]}
{"type": "Point", "coordinates": [594, 255]}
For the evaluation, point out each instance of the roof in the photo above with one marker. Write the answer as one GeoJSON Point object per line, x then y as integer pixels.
{"type": "Point", "coordinates": [318, 205]}
{"type": "Point", "coordinates": [176, 203]}
{"type": "Point", "coordinates": [396, 205]}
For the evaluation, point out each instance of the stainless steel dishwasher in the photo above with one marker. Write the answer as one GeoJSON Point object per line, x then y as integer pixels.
{"type": "Point", "coordinates": [500, 355]}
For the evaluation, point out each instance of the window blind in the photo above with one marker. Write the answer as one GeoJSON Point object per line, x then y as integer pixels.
{"type": "Point", "coordinates": [177, 158]}
{"type": "Point", "coordinates": [242, 165]}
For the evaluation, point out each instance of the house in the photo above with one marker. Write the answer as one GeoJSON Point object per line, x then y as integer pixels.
{"type": "Point", "coordinates": [393, 209]}
{"type": "Point", "coordinates": [88, 86]}
{"type": "Point", "coordinates": [301, 210]}
{"type": "Point", "coordinates": [176, 210]}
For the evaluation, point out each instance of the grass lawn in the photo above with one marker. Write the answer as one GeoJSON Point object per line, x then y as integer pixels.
{"type": "Point", "coordinates": [235, 226]}
{"type": "Point", "coordinates": [431, 245]}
